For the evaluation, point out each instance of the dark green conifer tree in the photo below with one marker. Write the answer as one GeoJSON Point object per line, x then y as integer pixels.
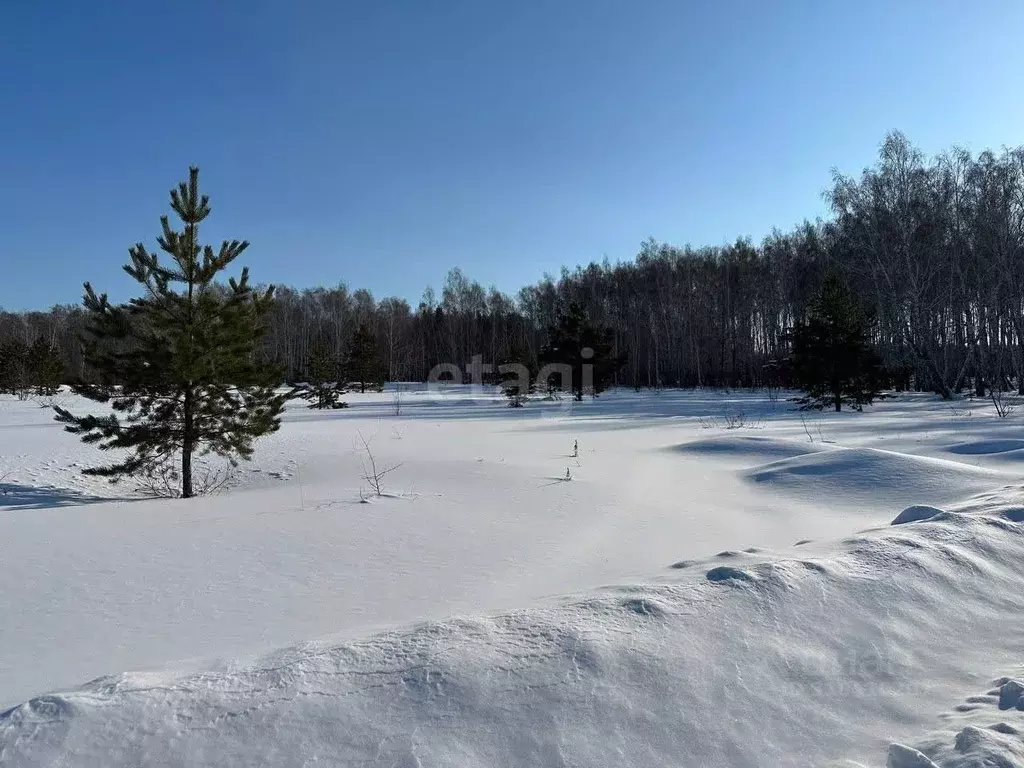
{"type": "Point", "coordinates": [179, 365]}
{"type": "Point", "coordinates": [324, 380]}
{"type": "Point", "coordinates": [363, 359]}
{"type": "Point", "coordinates": [517, 377]}
{"type": "Point", "coordinates": [832, 359]}
{"type": "Point", "coordinates": [14, 376]}
{"type": "Point", "coordinates": [45, 368]}
{"type": "Point", "coordinates": [577, 343]}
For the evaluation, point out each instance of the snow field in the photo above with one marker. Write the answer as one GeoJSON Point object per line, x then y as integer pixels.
{"type": "Point", "coordinates": [471, 618]}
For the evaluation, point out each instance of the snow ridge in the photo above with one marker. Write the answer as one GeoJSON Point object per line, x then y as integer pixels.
{"type": "Point", "coordinates": [867, 472]}
{"type": "Point", "coordinates": [769, 660]}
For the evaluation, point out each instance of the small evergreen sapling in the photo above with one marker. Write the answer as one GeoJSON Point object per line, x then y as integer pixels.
{"type": "Point", "coordinates": [324, 384]}
{"type": "Point", "coordinates": [517, 377]}
{"type": "Point", "coordinates": [585, 350]}
{"type": "Point", "coordinates": [832, 360]}
{"type": "Point", "coordinates": [180, 365]}
{"type": "Point", "coordinates": [515, 392]}
{"type": "Point", "coordinates": [517, 384]}
{"type": "Point", "coordinates": [14, 369]}
{"type": "Point", "coordinates": [363, 360]}
{"type": "Point", "coordinates": [45, 368]}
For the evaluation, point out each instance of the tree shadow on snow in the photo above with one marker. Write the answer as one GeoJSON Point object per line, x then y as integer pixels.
{"type": "Point", "coordinates": [15, 496]}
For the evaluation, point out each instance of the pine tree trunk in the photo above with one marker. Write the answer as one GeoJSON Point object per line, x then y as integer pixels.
{"type": "Point", "coordinates": [186, 473]}
{"type": "Point", "coordinates": [839, 402]}
{"type": "Point", "coordinates": [187, 446]}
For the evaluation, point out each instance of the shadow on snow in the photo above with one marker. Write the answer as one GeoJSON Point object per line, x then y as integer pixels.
{"type": "Point", "coordinates": [16, 496]}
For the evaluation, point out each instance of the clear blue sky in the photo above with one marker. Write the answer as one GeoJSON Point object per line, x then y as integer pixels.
{"type": "Point", "coordinates": [381, 143]}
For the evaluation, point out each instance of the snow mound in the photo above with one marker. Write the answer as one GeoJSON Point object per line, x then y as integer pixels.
{"type": "Point", "coordinates": [975, 737]}
{"type": "Point", "coordinates": [917, 513]}
{"type": "Point", "coordinates": [907, 757]}
{"type": "Point", "coordinates": [869, 475]}
{"type": "Point", "coordinates": [748, 448]}
{"type": "Point", "coordinates": [728, 573]}
{"type": "Point", "coordinates": [1011, 694]}
{"type": "Point", "coordinates": [988, 447]}
{"type": "Point", "coordinates": [1014, 514]}
{"type": "Point", "coordinates": [680, 672]}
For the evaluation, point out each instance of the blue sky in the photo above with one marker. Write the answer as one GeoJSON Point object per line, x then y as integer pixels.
{"type": "Point", "coordinates": [381, 143]}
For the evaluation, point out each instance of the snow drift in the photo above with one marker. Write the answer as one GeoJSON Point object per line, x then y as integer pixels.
{"type": "Point", "coordinates": [749, 449]}
{"type": "Point", "coordinates": [847, 653]}
{"type": "Point", "coordinates": [1004, 450]}
{"type": "Point", "coordinates": [867, 473]}
{"type": "Point", "coordinates": [805, 641]}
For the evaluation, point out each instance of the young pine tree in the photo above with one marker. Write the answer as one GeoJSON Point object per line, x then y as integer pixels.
{"type": "Point", "coordinates": [517, 376]}
{"type": "Point", "coordinates": [517, 387]}
{"type": "Point", "coordinates": [324, 384]}
{"type": "Point", "coordinates": [363, 359]}
{"type": "Point", "coordinates": [14, 371]}
{"type": "Point", "coordinates": [832, 360]}
{"type": "Point", "coordinates": [45, 368]}
{"type": "Point", "coordinates": [574, 341]}
{"type": "Point", "coordinates": [179, 365]}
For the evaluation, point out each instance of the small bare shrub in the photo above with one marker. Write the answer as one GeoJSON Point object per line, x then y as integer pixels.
{"type": "Point", "coordinates": [960, 413]}
{"type": "Point", "coordinates": [737, 420]}
{"type": "Point", "coordinates": [814, 424]}
{"type": "Point", "coordinates": [1004, 404]}
{"type": "Point", "coordinates": [807, 429]}
{"type": "Point", "coordinates": [372, 474]}
{"type": "Point", "coordinates": [163, 480]}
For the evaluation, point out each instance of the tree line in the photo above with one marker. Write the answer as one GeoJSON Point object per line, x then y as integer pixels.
{"type": "Point", "coordinates": [931, 247]}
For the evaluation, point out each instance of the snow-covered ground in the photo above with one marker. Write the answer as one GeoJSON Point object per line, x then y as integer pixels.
{"type": "Point", "coordinates": [718, 585]}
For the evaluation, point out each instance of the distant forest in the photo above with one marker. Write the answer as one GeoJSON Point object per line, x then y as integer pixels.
{"type": "Point", "coordinates": [933, 247]}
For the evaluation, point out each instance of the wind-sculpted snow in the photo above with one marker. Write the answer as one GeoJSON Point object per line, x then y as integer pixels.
{"type": "Point", "coordinates": [916, 513]}
{"type": "Point", "coordinates": [749, 449]}
{"type": "Point", "coordinates": [850, 653]}
{"type": "Point", "coordinates": [805, 640]}
{"type": "Point", "coordinates": [989, 447]}
{"type": "Point", "coordinates": [986, 731]}
{"type": "Point", "coordinates": [869, 474]}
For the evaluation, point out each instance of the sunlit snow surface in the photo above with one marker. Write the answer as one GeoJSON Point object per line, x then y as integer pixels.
{"type": "Point", "coordinates": [696, 595]}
